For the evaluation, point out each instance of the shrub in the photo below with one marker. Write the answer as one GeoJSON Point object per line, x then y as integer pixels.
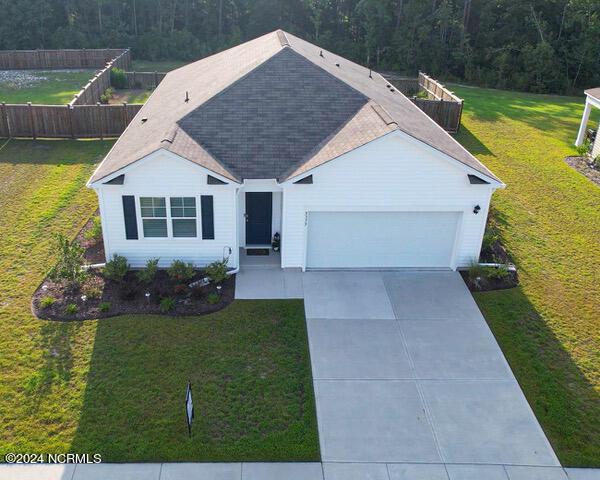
{"type": "Point", "coordinates": [217, 271]}
{"type": "Point", "coordinates": [213, 298]}
{"type": "Point", "coordinates": [71, 309]}
{"type": "Point", "coordinates": [146, 276]}
{"type": "Point", "coordinates": [104, 307]}
{"type": "Point", "coordinates": [584, 148]}
{"type": "Point", "coordinates": [116, 269]}
{"type": "Point", "coordinates": [92, 291]}
{"type": "Point", "coordinates": [118, 79]}
{"type": "Point", "coordinates": [95, 231]}
{"type": "Point", "coordinates": [68, 268]}
{"type": "Point", "coordinates": [476, 271]}
{"type": "Point", "coordinates": [596, 161]}
{"type": "Point", "coordinates": [489, 239]}
{"type": "Point", "coordinates": [47, 302]}
{"type": "Point", "coordinates": [181, 271]}
{"type": "Point", "coordinates": [498, 273]}
{"type": "Point", "coordinates": [107, 95]}
{"type": "Point", "coordinates": [167, 304]}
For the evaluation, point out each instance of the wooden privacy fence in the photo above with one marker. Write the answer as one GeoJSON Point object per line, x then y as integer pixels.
{"type": "Point", "coordinates": [443, 106]}
{"type": "Point", "coordinates": [92, 91]}
{"type": "Point", "coordinates": [54, 59]}
{"type": "Point", "coordinates": [144, 79]}
{"type": "Point", "coordinates": [65, 121]}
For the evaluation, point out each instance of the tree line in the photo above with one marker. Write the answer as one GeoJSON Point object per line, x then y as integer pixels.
{"type": "Point", "coordinates": [530, 45]}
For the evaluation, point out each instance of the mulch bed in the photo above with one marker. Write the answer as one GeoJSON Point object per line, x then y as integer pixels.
{"type": "Point", "coordinates": [129, 296]}
{"type": "Point", "coordinates": [496, 253]}
{"type": "Point", "coordinates": [582, 165]}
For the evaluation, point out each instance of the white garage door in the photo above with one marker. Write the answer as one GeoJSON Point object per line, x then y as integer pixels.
{"type": "Point", "coordinates": [381, 239]}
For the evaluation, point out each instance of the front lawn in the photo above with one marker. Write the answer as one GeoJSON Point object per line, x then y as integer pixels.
{"type": "Point", "coordinates": [54, 87]}
{"type": "Point", "coordinates": [116, 386]}
{"type": "Point", "coordinates": [549, 219]}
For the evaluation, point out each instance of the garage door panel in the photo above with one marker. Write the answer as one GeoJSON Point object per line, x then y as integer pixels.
{"type": "Point", "coordinates": [381, 239]}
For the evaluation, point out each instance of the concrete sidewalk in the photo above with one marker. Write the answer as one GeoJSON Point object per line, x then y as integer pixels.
{"type": "Point", "coordinates": [291, 471]}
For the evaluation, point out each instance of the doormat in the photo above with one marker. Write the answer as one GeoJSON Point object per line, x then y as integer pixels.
{"type": "Point", "coordinates": [257, 251]}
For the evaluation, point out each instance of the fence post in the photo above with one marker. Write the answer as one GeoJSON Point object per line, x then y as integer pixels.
{"type": "Point", "coordinates": [31, 120]}
{"type": "Point", "coordinates": [5, 120]}
{"type": "Point", "coordinates": [125, 116]}
{"type": "Point", "coordinates": [155, 80]}
{"type": "Point", "coordinates": [70, 115]}
{"type": "Point", "coordinates": [101, 118]}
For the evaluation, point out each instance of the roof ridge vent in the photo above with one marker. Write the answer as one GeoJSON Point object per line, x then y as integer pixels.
{"type": "Point", "coordinates": [383, 113]}
{"type": "Point", "coordinates": [283, 38]}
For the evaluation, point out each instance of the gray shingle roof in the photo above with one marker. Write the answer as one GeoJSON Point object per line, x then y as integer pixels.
{"type": "Point", "coordinates": [267, 122]}
{"type": "Point", "coordinates": [273, 107]}
{"type": "Point", "coordinates": [594, 92]}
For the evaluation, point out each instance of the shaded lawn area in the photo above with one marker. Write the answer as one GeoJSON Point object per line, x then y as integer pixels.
{"type": "Point", "coordinates": [43, 87]}
{"type": "Point", "coordinates": [549, 219]}
{"type": "Point", "coordinates": [117, 386]}
{"type": "Point", "coordinates": [157, 65]}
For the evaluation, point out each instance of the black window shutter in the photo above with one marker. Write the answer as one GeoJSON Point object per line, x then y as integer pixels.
{"type": "Point", "coordinates": [208, 220]}
{"type": "Point", "coordinates": [131, 230]}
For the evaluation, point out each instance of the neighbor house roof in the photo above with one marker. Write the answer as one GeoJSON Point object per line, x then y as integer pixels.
{"type": "Point", "coordinates": [594, 92]}
{"type": "Point", "coordinates": [273, 107]}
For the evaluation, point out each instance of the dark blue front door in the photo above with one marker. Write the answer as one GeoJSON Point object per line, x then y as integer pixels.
{"type": "Point", "coordinates": [259, 214]}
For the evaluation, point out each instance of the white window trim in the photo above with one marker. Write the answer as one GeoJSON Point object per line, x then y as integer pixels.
{"type": "Point", "coordinates": [169, 218]}
{"type": "Point", "coordinates": [196, 218]}
{"type": "Point", "coordinates": [142, 218]}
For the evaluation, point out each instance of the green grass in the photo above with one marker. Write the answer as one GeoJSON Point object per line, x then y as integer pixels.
{"type": "Point", "coordinates": [117, 386]}
{"type": "Point", "coordinates": [549, 219]}
{"type": "Point", "coordinates": [50, 88]}
{"type": "Point", "coordinates": [157, 65]}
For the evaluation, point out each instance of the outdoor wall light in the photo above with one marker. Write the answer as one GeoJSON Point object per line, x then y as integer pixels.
{"type": "Point", "coordinates": [476, 209]}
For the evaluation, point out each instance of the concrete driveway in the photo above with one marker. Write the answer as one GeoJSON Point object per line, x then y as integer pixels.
{"type": "Point", "coordinates": [406, 370]}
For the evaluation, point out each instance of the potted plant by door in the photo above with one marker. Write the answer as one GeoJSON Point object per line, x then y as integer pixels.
{"type": "Point", "coordinates": [276, 243]}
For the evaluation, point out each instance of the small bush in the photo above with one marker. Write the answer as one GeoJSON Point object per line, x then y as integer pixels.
{"type": "Point", "coordinates": [213, 298]}
{"type": "Point", "coordinates": [94, 233]}
{"type": "Point", "coordinates": [47, 302]}
{"type": "Point", "coordinates": [584, 148]}
{"type": "Point", "coordinates": [68, 268]}
{"type": "Point", "coordinates": [499, 273]}
{"type": "Point", "coordinates": [146, 276]}
{"type": "Point", "coordinates": [489, 239]}
{"type": "Point", "coordinates": [104, 307]}
{"type": "Point", "coordinates": [107, 95]}
{"type": "Point", "coordinates": [217, 271]}
{"type": "Point", "coordinates": [118, 79]}
{"type": "Point", "coordinates": [71, 309]}
{"type": "Point", "coordinates": [116, 269]}
{"type": "Point", "coordinates": [92, 291]}
{"type": "Point", "coordinates": [181, 271]}
{"type": "Point", "coordinates": [422, 94]}
{"type": "Point", "coordinates": [476, 271]}
{"type": "Point", "coordinates": [167, 304]}
{"type": "Point", "coordinates": [596, 161]}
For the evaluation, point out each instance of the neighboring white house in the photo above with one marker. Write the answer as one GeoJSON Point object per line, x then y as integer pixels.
{"type": "Point", "coordinates": [592, 99]}
{"type": "Point", "coordinates": [279, 136]}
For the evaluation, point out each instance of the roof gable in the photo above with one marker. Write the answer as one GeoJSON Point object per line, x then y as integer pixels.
{"type": "Point", "coordinates": [268, 121]}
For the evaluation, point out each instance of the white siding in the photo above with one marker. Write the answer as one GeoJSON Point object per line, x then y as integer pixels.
{"type": "Point", "coordinates": [393, 173]}
{"type": "Point", "coordinates": [164, 174]}
{"type": "Point", "coordinates": [596, 148]}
